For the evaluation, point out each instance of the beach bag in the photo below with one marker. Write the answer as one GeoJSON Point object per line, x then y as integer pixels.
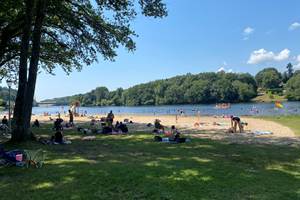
{"type": "Point", "coordinates": [14, 156]}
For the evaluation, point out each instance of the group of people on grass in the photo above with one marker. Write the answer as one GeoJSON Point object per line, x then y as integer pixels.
{"type": "Point", "coordinates": [108, 126]}
{"type": "Point", "coordinates": [168, 136]}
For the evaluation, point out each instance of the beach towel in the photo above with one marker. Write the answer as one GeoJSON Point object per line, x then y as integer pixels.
{"type": "Point", "coordinates": [89, 138]}
{"type": "Point", "coordinates": [34, 158]}
{"type": "Point", "coordinates": [262, 133]}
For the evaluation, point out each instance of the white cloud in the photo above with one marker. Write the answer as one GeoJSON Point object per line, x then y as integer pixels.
{"type": "Point", "coordinates": [247, 32]}
{"type": "Point", "coordinates": [222, 69]}
{"type": "Point", "coordinates": [294, 26]}
{"type": "Point", "coordinates": [262, 55]}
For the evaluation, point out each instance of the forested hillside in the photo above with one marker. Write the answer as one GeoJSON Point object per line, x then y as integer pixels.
{"type": "Point", "coordinates": [209, 87]}
{"type": "Point", "coordinates": [187, 89]}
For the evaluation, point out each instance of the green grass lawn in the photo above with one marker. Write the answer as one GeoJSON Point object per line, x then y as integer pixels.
{"type": "Point", "coordinates": [135, 167]}
{"type": "Point", "coordinates": [292, 122]}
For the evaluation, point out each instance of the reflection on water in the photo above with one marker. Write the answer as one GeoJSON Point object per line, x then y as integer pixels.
{"type": "Point", "coordinates": [258, 109]}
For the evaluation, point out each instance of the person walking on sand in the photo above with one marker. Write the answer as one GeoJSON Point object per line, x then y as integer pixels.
{"type": "Point", "coordinates": [71, 118]}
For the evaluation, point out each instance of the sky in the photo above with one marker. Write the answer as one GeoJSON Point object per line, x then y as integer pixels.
{"type": "Point", "coordinates": [196, 36]}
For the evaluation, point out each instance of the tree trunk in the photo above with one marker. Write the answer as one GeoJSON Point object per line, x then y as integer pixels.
{"type": "Point", "coordinates": [18, 118]}
{"type": "Point", "coordinates": [33, 67]}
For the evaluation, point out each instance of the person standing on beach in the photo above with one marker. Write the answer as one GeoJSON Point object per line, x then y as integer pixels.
{"type": "Point", "coordinates": [71, 118]}
{"type": "Point", "coordinates": [110, 117]}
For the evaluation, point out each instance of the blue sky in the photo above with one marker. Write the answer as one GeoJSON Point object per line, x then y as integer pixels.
{"type": "Point", "coordinates": [197, 36]}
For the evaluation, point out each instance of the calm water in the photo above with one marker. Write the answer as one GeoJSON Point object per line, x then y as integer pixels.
{"type": "Point", "coordinates": [265, 109]}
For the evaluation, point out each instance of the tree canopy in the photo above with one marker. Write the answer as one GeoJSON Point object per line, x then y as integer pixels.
{"type": "Point", "coordinates": [268, 78]}
{"type": "Point", "coordinates": [293, 88]}
{"type": "Point", "coordinates": [186, 89]}
{"type": "Point", "coordinates": [73, 31]}
{"type": "Point", "coordinates": [44, 34]}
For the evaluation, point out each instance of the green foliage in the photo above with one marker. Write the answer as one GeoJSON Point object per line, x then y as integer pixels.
{"type": "Point", "coordinates": [288, 73]}
{"type": "Point", "coordinates": [268, 78]}
{"type": "Point", "coordinates": [245, 91]}
{"type": "Point", "coordinates": [4, 94]}
{"type": "Point", "coordinates": [73, 31]}
{"type": "Point", "coordinates": [293, 88]}
{"type": "Point", "coordinates": [270, 95]}
{"type": "Point", "coordinates": [186, 89]}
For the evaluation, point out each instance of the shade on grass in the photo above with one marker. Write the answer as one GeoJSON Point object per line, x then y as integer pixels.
{"type": "Point", "coordinates": [135, 167]}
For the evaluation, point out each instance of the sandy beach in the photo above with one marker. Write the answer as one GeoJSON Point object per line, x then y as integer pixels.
{"type": "Point", "coordinates": [187, 124]}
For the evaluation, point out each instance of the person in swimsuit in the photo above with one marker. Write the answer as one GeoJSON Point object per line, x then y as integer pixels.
{"type": "Point", "coordinates": [236, 122]}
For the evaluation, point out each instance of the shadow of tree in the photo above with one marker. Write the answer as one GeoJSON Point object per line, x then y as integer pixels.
{"type": "Point", "coordinates": [135, 167]}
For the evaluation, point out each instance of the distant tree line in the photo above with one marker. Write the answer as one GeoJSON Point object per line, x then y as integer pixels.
{"type": "Point", "coordinates": [187, 89]}
{"type": "Point", "coordinates": [207, 87]}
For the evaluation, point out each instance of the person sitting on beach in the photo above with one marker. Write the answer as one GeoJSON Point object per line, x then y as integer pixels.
{"type": "Point", "coordinates": [107, 128]}
{"type": "Point", "coordinates": [36, 123]}
{"type": "Point", "coordinates": [158, 126]}
{"type": "Point", "coordinates": [236, 121]}
{"type": "Point", "coordinates": [58, 124]}
{"type": "Point", "coordinates": [58, 137]}
{"type": "Point", "coordinates": [93, 122]}
{"type": "Point", "coordinates": [5, 121]}
{"type": "Point", "coordinates": [122, 127]}
{"type": "Point", "coordinates": [175, 133]}
{"type": "Point", "coordinates": [117, 125]}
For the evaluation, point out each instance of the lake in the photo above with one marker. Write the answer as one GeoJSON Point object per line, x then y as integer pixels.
{"type": "Point", "coordinates": [241, 109]}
